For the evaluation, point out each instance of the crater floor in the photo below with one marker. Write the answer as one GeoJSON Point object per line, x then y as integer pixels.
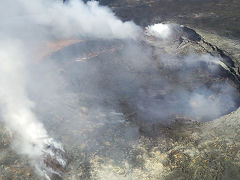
{"type": "Point", "coordinates": [115, 99]}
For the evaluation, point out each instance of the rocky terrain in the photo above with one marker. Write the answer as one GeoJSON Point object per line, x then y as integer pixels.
{"type": "Point", "coordinates": [126, 146]}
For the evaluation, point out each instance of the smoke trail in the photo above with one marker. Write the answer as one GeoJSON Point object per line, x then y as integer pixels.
{"type": "Point", "coordinates": [24, 25]}
{"type": "Point", "coordinates": [15, 105]}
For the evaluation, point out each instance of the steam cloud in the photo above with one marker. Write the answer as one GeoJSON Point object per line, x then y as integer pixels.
{"type": "Point", "coordinates": [26, 24]}
{"type": "Point", "coordinates": [159, 30]}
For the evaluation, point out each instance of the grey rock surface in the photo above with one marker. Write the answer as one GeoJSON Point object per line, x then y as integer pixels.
{"type": "Point", "coordinates": [185, 149]}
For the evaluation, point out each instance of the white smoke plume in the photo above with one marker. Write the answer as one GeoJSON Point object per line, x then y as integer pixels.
{"type": "Point", "coordinates": [16, 107]}
{"type": "Point", "coordinates": [53, 19]}
{"type": "Point", "coordinates": [160, 30]}
{"type": "Point", "coordinates": [24, 25]}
